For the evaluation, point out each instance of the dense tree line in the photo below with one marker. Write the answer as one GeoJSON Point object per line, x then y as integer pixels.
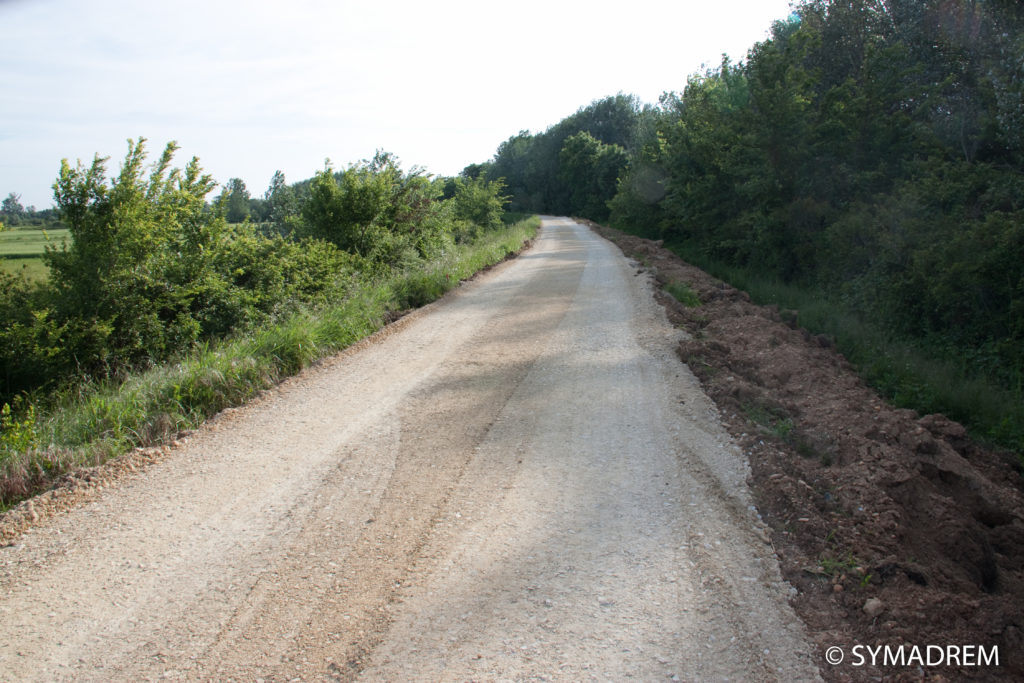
{"type": "Point", "coordinates": [869, 149]}
{"type": "Point", "coordinates": [13, 214]}
{"type": "Point", "coordinates": [573, 167]}
{"type": "Point", "coordinates": [153, 268]}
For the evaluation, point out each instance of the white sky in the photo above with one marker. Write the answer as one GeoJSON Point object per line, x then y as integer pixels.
{"type": "Point", "coordinates": [251, 87]}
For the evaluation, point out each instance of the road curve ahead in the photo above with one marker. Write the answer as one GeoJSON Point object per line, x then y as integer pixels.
{"type": "Point", "coordinates": [519, 482]}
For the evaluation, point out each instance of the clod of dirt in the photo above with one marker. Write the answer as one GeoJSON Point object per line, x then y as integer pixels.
{"type": "Point", "coordinates": [873, 607]}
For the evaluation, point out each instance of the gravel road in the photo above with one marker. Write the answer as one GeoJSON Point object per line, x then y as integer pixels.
{"type": "Point", "coordinates": [519, 482]}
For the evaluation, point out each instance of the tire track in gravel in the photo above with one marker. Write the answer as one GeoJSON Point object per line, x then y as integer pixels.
{"type": "Point", "coordinates": [521, 483]}
{"type": "Point", "coordinates": [435, 431]}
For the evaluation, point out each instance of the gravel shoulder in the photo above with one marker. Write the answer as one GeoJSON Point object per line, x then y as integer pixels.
{"type": "Point", "coordinates": [521, 482]}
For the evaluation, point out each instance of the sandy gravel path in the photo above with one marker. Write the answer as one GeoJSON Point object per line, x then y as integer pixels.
{"type": "Point", "coordinates": [522, 482]}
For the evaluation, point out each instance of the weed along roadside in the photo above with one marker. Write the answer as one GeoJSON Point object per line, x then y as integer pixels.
{"type": "Point", "coordinates": [893, 527]}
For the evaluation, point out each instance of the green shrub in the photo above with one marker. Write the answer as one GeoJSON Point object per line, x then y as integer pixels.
{"type": "Point", "coordinates": [377, 212]}
{"type": "Point", "coordinates": [480, 202]}
{"type": "Point", "coordinates": [683, 293]}
{"type": "Point", "coordinates": [18, 433]}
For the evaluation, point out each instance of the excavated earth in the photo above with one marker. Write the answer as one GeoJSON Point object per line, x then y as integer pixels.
{"type": "Point", "coordinates": [895, 528]}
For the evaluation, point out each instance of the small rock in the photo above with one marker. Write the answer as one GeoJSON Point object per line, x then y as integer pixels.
{"type": "Point", "coordinates": [873, 607]}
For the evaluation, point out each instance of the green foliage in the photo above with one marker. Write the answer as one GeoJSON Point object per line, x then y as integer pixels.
{"type": "Point", "coordinates": [377, 212]}
{"type": "Point", "coordinates": [533, 165]}
{"type": "Point", "coordinates": [12, 209]}
{"type": "Point", "coordinates": [281, 205]}
{"type": "Point", "coordinates": [343, 210]}
{"type": "Point", "coordinates": [31, 351]}
{"type": "Point", "coordinates": [872, 153]}
{"type": "Point", "coordinates": [140, 262]}
{"type": "Point", "coordinates": [150, 270]}
{"type": "Point", "coordinates": [591, 169]}
{"type": "Point", "coordinates": [235, 201]}
{"type": "Point", "coordinates": [683, 293]}
{"type": "Point", "coordinates": [479, 202]}
{"type": "Point", "coordinates": [18, 433]}
{"type": "Point", "coordinates": [263, 276]}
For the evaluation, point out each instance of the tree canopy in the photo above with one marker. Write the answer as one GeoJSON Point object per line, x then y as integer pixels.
{"type": "Point", "coordinates": [869, 148]}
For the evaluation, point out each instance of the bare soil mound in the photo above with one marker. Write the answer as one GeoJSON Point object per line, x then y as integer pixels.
{"type": "Point", "coordinates": [895, 529]}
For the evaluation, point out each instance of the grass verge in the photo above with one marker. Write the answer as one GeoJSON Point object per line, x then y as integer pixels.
{"type": "Point", "coordinates": [34, 269]}
{"type": "Point", "coordinates": [101, 420]}
{"type": "Point", "coordinates": [906, 374]}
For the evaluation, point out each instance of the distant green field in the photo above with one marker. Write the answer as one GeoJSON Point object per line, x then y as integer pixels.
{"type": "Point", "coordinates": [28, 242]}
{"type": "Point", "coordinates": [31, 268]}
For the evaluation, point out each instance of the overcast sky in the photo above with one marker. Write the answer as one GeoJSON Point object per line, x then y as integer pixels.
{"type": "Point", "coordinates": [251, 87]}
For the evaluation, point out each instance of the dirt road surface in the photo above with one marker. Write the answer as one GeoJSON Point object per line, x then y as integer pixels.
{"type": "Point", "coordinates": [519, 482]}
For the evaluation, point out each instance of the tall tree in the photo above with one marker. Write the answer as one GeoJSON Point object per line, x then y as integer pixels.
{"type": "Point", "coordinates": [591, 169]}
{"type": "Point", "coordinates": [12, 209]}
{"type": "Point", "coordinates": [236, 200]}
{"type": "Point", "coordinates": [281, 202]}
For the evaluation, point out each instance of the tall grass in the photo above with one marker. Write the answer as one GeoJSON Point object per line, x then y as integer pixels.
{"type": "Point", "coordinates": [100, 420]}
{"type": "Point", "coordinates": [906, 372]}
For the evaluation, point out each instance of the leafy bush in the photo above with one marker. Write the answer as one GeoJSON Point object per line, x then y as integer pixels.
{"type": "Point", "coordinates": [31, 340]}
{"type": "Point", "coordinates": [18, 433]}
{"type": "Point", "coordinates": [140, 264]}
{"type": "Point", "coordinates": [377, 212]}
{"type": "Point", "coordinates": [479, 202]}
{"type": "Point", "coordinates": [150, 270]}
